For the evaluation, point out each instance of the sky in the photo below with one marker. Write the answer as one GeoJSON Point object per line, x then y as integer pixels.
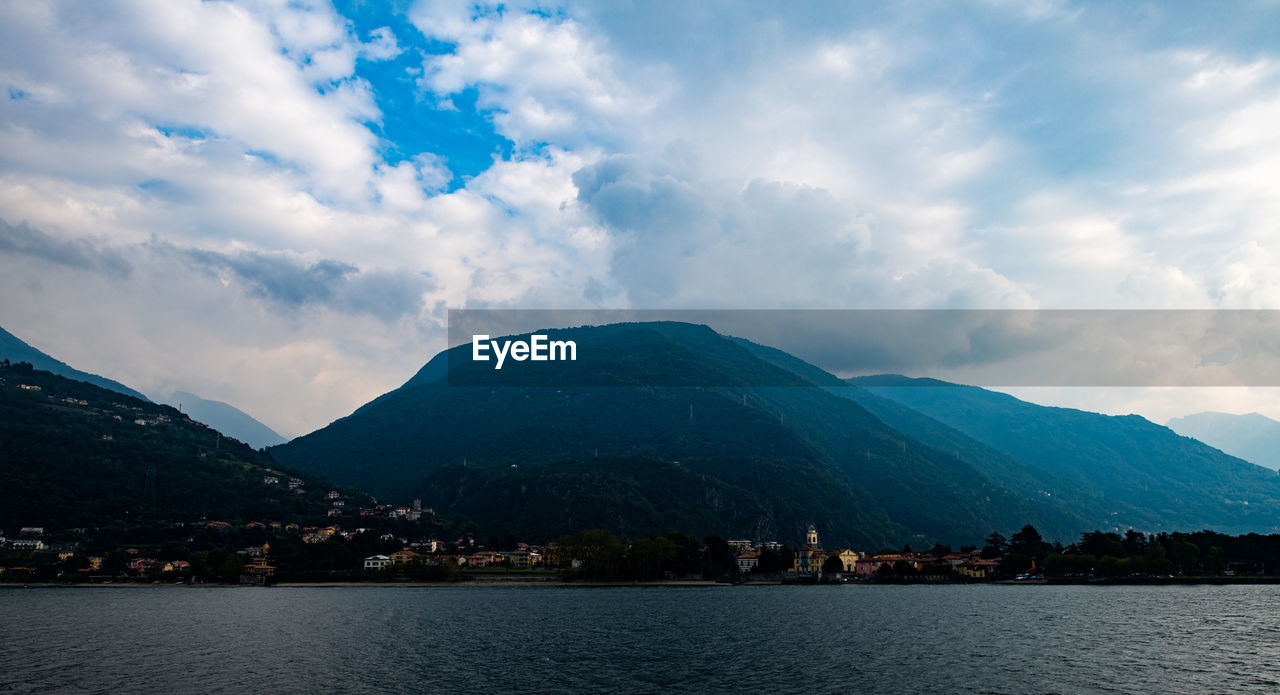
{"type": "Point", "coordinates": [274, 204]}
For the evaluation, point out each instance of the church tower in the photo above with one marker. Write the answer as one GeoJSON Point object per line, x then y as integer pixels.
{"type": "Point", "coordinates": [811, 538]}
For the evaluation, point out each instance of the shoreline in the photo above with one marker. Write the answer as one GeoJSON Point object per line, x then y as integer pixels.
{"type": "Point", "coordinates": [685, 583]}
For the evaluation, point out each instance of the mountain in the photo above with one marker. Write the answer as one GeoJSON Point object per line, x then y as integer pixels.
{"type": "Point", "coordinates": [658, 427]}
{"type": "Point", "coordinates": [15, 350]}
{"type": "Point", "coordinates": [1142, 474]}
{"type": "Point", "coordinates": [1088, 507]}
{"type": "Point", "coordinates": [1252, 437]}
{"type": "Point", "coordinates": [225, 418]}
{"type": "Point", "coordinates": [221, 416]}
{"type": "Point", "coordinates": [73, 454]}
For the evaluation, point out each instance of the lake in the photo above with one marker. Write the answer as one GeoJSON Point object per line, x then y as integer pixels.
{"type": "Point", "coordinates": [479, 639]}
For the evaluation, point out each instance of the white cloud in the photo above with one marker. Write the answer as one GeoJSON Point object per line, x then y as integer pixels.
{"type": "Point", "coordinates": [548, 79]}
{"type": "Point", "coordinates": [680, 155]}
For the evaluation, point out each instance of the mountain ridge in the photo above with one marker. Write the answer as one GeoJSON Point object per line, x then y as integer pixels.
{"type": "Point", "coordinates": [1253, 437]}
{"type": "Point", "coordinates": [1154, 478]}
{"type": "Point", "coordinates": [15, 349]}
{"type": "Point", "coordinates": [869, 484]}
{"type": "Point", "coordinates": [225, 418]}
{"type": "Point", "coordinates": [74, 454]}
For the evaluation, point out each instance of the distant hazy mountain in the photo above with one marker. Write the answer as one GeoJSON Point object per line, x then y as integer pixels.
{"type": "Point", "coordinates": [15, 350]}
{"type": "Point", "coordinates": [735, 459]}
{"type": "Point", "coordinates": [1252, 437]}
{"type": "Point", "coordinates": [225, 418]}
{"type": "Point", "coordinates": [1144, 474]}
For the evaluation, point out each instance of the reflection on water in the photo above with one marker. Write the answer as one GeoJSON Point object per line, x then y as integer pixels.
{"type": "Point", "coordinates": [890, 639]}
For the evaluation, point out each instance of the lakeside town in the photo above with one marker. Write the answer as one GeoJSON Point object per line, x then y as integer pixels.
{"type": "Point", "coordinates": [373, 542]}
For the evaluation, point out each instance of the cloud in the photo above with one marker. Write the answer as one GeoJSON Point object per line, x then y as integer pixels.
{"type": "Point", "coordinates": [233, 157]}
{"type": "Point", "coordinates": [685, 241]}
{"type": "Point", "coordinates": [544, 76]}
{"type": "Point", "coordinates": [294, 282]}
{"type": "Point", "coordinates": [83, 253]}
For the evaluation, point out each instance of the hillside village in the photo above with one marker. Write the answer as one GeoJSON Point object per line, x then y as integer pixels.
{"type": "Point", "coordinates": [34, 553]}
{"type": "Point", "coordinates": [288, 526]}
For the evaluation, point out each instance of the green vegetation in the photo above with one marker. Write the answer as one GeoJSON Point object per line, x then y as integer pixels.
{"type": "Point", "coordinates": [15, 350]}
{"type": "Point", "coordinates": [599, 555]}
{"type": "Point", "coordinates": [1107, 470]}
{"type": "Point", "coordinates": [1200, 554]}
{"type": "Point", "coordinates": [74, 455]}
{"type": "Point", "coordinates": [216, 555]}
{"type": "Point", "coordinates": [729, 443]}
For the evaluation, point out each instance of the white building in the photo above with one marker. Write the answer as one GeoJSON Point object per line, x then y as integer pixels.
{"type": "Point", "coordinates": [376, 562]}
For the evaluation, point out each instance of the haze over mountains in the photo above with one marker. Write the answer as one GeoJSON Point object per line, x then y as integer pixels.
{"type": "Point", "coordinates": [686, 435]}
{"type": "Point", "coordinates": [671, 426]}
{"type": "Point", "coordinates": [223, 417]}
{"type": "Point", "coordinates": [1142, 474]}
{"type": "Point", "coordinates": [1253, 437]}
{"type": "Point", "coordinates": [15, 349]}
{"type": "Point", "coordinates": [548, 456]}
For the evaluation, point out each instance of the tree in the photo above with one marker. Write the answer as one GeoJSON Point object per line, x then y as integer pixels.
{"type": "Point", "coordinates": [832, 565]}
{"type": "Point", "coordinates": [770, 560]}
{"type": "Point", "coordinates": [902, 568]}
{"type": "Point", "coordinates": [1015, 563]}
{"type": "Point", "coordinates": [650, 557]}
{"type": "Point", "coordinates": [719, 558]}
{"type": "Point", "coordinates": [599, 553]}
{"type": "Point", "coordinates": [1134, 543]}
{"type": "Point", "coordinates": [1101, 544]}
{"type": "Point", "coordinates": [1214, 563]}
{"type": "Point", "coordinates": [1027, 542]}
{"type": "Point", "coordinates": [1185, 556]}
{"type": "Point", "coordinates": [995, 545]}
{"type": "Point", "coordinates": [230, 569]}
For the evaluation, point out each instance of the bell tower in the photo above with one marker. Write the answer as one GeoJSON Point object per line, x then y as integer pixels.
{"type": "Point", "coordinates": [811, 538]}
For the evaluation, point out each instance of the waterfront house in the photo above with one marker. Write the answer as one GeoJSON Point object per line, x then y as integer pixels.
{"type": "Point", "coordinates": [404, 557]}
{"type": "Point", "coordinates": [954, 560]}
{"type": "Point", "coordinates": [376, 562]}
{"type": "Point", "coordinates": [747, 561]}
{"type": "Point", "coordinates": [520, 559]}
{"type": "Point", "coordinates": [26, 544]}
{"type": "Point", "coordinates": [979, 569]}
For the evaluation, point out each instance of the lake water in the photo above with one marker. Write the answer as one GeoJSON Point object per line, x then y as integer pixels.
{"type": "Point", "coordinates": [816, 639]}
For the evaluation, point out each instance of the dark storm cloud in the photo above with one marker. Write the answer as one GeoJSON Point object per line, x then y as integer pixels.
{"type": "Point", "coordinates": [84, 253]}
{"type": "Point", "coordinates": [288, 280]}
{"type": "Point", "coordinates": [981, 347]}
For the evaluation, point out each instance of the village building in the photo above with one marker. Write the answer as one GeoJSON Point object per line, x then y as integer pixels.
{"type": "Point", "coordinates": [520, 559]}
{"type": "Point", "coordinates": [739, 546]}
{"type": "Point", "coordinates": [808, 558]}
{"type": "Point", "coordinates": [979, 569]}
{"type": "Point", "coordinates": [404, 557]}
{"type": "Point", "coordinates": [848, 559]}
{"type": "Point", "coordinates": [26, 544]}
